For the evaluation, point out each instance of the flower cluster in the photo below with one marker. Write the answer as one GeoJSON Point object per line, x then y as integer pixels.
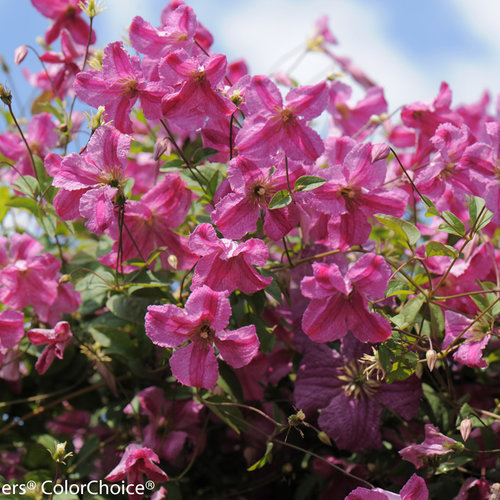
{"type": "Point", "coordinates": [223, 285]}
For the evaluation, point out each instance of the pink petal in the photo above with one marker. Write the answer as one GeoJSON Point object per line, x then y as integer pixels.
{"type": "Point", "coordinates": [195, 365]}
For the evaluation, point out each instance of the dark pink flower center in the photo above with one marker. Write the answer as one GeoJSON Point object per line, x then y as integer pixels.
{"type": "Point", "coordinates": [199, 76]}
{"type": "Point", "coordinates": [350, 196]}
{"type": "Point", "coordinates": [261, 192]}
{"type": "Point", "coordinates": [205, 334]}
{"type": "Point", "coordinates": [129, 87]}
{"type": "Point", "coordinates": [287, 116]}
{"type": "Point", "coordinates": [70, 11]}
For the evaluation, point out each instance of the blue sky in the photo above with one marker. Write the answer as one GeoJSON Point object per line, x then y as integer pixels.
{"type": "Point", "coordinates": [408, 47]}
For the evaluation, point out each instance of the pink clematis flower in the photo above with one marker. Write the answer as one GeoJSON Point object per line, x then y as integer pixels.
{"type": "Point", "coordinates": [150, 224]}
{"type": "Point", "coordinates": [353, 191]}
{"type": "Point", "coordinates": [434, 444]}
{"type": "Point", "coordinates": [349, 394]}
{"type": "Point", "coordinates": [11, 328]}
{"type": "Point", "coordinates": [194, 82]}
{"type": "Point", "coordinates": [118, 86]}
{"type": "Point", "coordinates": [339, 300]}
{"type": "Point", "coordinates": [226, 265]}
{"type": "Point", "coordinates": [66, 14]}
{"type": "Point", "coordinates": [57, 338]}
{"type": "Point", "coordinates": [28, 278]}
{"type": "Point", "coordinates": [272, 125]}
{"type": "Point", "coordinates": [171, 424]}
{"type": "Point", "coordinates": [41, 136]}
{"type": "Point", "coordinates": [91, 181]}
{"type": "Point", "coordinates": [414, 489]}
{"type": "Point", "coordinates": [253, 187]}
{"type": "Point", "coordinates": [177, 33]}
{"type": "Point", "coordinates": [350, 120]}
{"type": "Point", "coordinates": [202, 322]}
{"type": "Point", "coordinates": [136, 461]}
{"type": "Point", "coordinates": [65, 61]}
{"type": "Point", "coordinates": [474, 340]}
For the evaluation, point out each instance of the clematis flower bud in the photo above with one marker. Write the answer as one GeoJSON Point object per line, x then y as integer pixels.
{"type": "Point", "coordinates": [431, 357]}
{"type": "Point", "coordinates": [380, 152]}
{"type": "Point", "coordinates": [465, 428]}
{"type": "Point", "coordinates": [162, 145]}
{"type": "Point", "coordinates": [20, 54]}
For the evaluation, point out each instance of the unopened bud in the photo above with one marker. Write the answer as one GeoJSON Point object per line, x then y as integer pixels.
{"type": "Point", "coordinates": [465, 428]}
{"type": "Point", "coordinates": [323, 437]}
{"type": "Point", "coordinates": [65, 278]}
{"type": "Point", "coordinates": [374, 120]}
{"type": "Point", "coordinates": [5, 95]}
{"type": "Point", "coordinates": [431, 357]}
{"type": "Point", "coordinates": [20, 53]}
{"type": "Point", "coordinates": [60, 454]}
{"type": "Point", "coordinates": [173, 261]}
{"type": "Point", "coordinates": [283, 79]}
{"type": "Point", "coordinates": [380, 152]}
{"type": "Point", "coordinates": [162, 145]}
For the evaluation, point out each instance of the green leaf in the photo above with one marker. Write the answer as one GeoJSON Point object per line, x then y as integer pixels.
{"type": "Point", "coordinates": [431, 208]}
{"type": "Point", "coordinates": [48, 222]}
{"type": "Point", "coordinates": [453, 224]}
{"type": "Point", "coordinates": [4, 199]}
{"type": "Point", "coordinates": [396, 287]}
{"type": "Point", "coordinates": [434, 248]}
{"type": "Point", "coordinates": [175, 163]}
{"type": "Point", "coordinates": [264, 460]}
{"type": "Point", "coordinates": [437, 320]}
{"type": "Point", "coordinates": [26, 184]}
{"type": "Point", "coordinates": [129, 308]}
{"type": "Point", "coordinates": [212, 184]}
{"type": "Point", "coordinates": [406, 230]}
{"type": "Point", "coordinates": [21, 202]}
{"type": "Point", "coordinates": [480, 216]}
{"type": "Point", "coordinates": [308, 183]}
{"type": "Point", "coordinates": [408, 312]}
{"type": "Point", "coordinates": [280, 199]}
{"type": "Point", "coordinates": [203, 154]}
{"type": "Point", "coordinates": [229, 414]}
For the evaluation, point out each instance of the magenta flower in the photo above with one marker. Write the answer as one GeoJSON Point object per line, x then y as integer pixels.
{"type": "Point", "coordinates": [66, 14]}
{"type": "Point", "coordinates": [226, 265]}
{"type": "Point", "coordinates": [414, 489]}
{"type": "Point", "coordinates": [92, 180]}
{"type": "Point", "coordinates": [28, 278]}
{"type": "Point", "coordinates": [253, 187]}
{"type": "Point", "coordinates": [272, 125]}
{"type": "Point", "coordinates": [202, 322]}
{"type": "Point", "coordinates": [65, 61]}
{"type": "Point", "coordinates": [150, 223]}
{"type": "Point", "coordinates": [355, 119]}
{"type": "Point", "coordinates": [136, 461]}
{"type": "Point", "coordinates": [41, 136]}
{"type": "Point", "coordinates": [354, 191]}
{"type": "Point", "coordinates": [57, 338]}
{"type": "Point", "coordinates": [171, 424]}
{"type": "Point", "coordinates": [350, 395]}
{"type": "Point", "coordinates": [118, 86]}
{"type": "Point", "coordinates": [339, 300]}
{"type": "Point", "coordinates": [194, 96]}
{"type": "Point", "coordinates": [177, 33]}
{"type": "Point", "coordinates": [11, 328]}
{"type": "Point", "coordinates": [434, 444]}
{"type": "Point", "coordinates": [474, 340]}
